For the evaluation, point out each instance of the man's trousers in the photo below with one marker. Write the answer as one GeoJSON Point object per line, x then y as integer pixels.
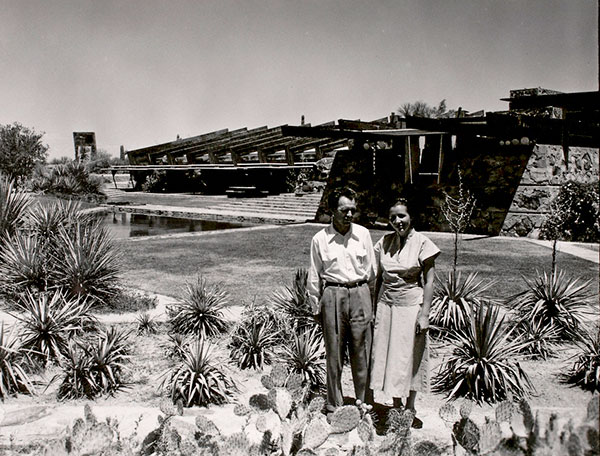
{"type": "Point", "coordinates": [347, 314]}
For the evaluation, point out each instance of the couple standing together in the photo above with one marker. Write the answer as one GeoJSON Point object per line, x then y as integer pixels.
{"type": "Point", "coordinates": [347, 276]}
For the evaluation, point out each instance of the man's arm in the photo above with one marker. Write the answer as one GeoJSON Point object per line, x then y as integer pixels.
{"type": "Point", "coordinates": [313, 283]}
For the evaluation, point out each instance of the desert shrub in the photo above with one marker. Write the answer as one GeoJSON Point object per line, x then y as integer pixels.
{"type": "Point", "coordinates": [483, 365]}
{"type": "Point", "coordinates": [453, 299]}
{"type": "Point", "coordinates": [14, 204]}
{"type": "Point", "coordinates": [21, 149]}
{"type": "Point", "coordinates": [252, 342]}
{"type": "Point", "coordinates": [95, 368]}
{"type": "Point", "coordinates": [305, 354]}
{"type": "Point", "coordinates": [156, 182]}
{"type": "Point", "coordinates": [198, 379]}
{"type": "Point", "coordinates": [292, 302]}
{"type": "Point", "coordinates": [68, 180]}
{"type": "Point", "coordinates": [13, 372]}
{"type": "Point", "coordinates": [86, 262]}
{"type": "Point", "coordinates": [554, 300]}
{"type": "Point", "coordinates": [200, 311]}
{"type": "Point", "coordinates": [585, 370]}
{"type": "Point", "coordinates": [574, 214]}
{"type": "Point", "coordinates": [49, 321]}
{"type": "Point", "coordinates": [146, 324]}
{"type": "Point", "coordinates": [125, 300]}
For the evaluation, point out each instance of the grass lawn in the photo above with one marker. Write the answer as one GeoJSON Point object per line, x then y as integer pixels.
{"type": "Point", "coordinates": [253, 263]}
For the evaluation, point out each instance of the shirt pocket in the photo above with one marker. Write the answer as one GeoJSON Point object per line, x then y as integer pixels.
{"type": "Point", "coordinates": [361, 256]}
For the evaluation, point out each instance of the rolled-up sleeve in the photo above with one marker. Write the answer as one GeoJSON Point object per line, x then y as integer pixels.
{"type": "Point", "coordinates": [313, 283]}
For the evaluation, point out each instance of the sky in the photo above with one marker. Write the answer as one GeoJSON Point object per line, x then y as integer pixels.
{"type": "Point", "coordinates": [141, 72]}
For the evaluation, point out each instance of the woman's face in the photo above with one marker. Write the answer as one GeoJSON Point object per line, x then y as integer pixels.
{"type": "Point", "coordinates": [400, 219]}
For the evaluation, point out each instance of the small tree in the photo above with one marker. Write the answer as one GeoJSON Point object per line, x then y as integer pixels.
{"type": "Point", "coordinates": [20, 150]}
{"type": "Point", "coordinates": [422, 109]}
{"type": "Point", "coordinates": [457, 212]}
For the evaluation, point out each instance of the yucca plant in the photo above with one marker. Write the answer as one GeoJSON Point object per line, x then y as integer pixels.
{"type": "Point", "coordinates": [542, 338]}
{"type": "Point", "coordinates": [23, 264]}
{"type": "Point", "coordinates": [14, 204]}
{"type": "Point", "coordinates": [453, 299]}
{"type": "Point", "coordinates": [176, 346]}
{"type": "Point", "coordinates": [90, 370]}
{"type": "Point", "coordinates": [46, 218]}
{"type": "Point", "coordinates": [86, 262]}
{"type": "Point", "coordinates": [305, 354]}
{"type": "Point", "coordinates": [146, 324]}
{"type": "Point", "coordinates": [554, 300]}
{"type": "Point", "coordinates": [483, 365]}
{"type": "Point", "coordinates": [13, 372]}
{"type": "Point", "coordinates": [49, 321]}
{"type": "Point", "coordinates": [198, 380]}
{"type": "Point", "coordinates": [292, 301]}
{"type": "Point", "coordinates": [200, 312]}
{"type": "Point", "coordinates": [252, 343]}
{"type": "Point", "coordinates": [585, 371]}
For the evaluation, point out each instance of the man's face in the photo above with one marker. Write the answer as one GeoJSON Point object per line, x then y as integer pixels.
{"type": "Point", "coordinates": [344, 213]}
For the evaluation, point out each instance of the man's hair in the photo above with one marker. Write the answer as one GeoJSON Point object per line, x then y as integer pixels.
{"type": "Point", "coordinates": [335, 195]}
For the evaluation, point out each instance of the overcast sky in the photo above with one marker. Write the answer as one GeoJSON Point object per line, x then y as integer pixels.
{"type": "Point", "coordinates": [140, 72]}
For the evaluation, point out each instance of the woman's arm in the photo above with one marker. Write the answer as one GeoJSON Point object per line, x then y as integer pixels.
{"type": "Point", "coordinates": [428, 279]}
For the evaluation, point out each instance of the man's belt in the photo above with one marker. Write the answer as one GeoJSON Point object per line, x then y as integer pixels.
{"type": "Point", "coordinates": [346, 285]}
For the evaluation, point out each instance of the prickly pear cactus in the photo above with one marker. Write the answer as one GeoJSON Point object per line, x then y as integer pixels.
{"type": "Point", "coordinates": [466, 408]}
{"type": "Point", "coordinates": [449, 414]}
{"type": "Point", "coordinates": [344, 419]}
{"type": "Point", "coordinates": [287, 438]}
{"type": "Point", "coordinates": [593, 409]}
{"type": "Point", "coordinates": [260, 402]}
{"type": "Point", "coordinates": [505, 411]}
{"type": "Point", "coordinates": [206, 426]}
{"type": "Point", "coordinates": [316, 432]}
{"type": "Point", "coordinates": [279, 375]}
{"type": "Point", "coordinates": [467, 434]}
{"type": "Point", "coordinates": [427, 448]}
{"type": "Point", "coordinates": [234, 445]}
{"type": "Point", "coordinates": [489, 437]}
{"type": "Point", "coordinates": [316, 405]}
{"type": "Point", "coordinates": [365, 428]}
{"type": "Point", "coordinates": [281, 401]}
{"type": "Point", "coordinates": [267, 382]}
{"type": "Point", "coordinates": [241, 410]}
{"type": "Point", "coordinates": [294, 382]}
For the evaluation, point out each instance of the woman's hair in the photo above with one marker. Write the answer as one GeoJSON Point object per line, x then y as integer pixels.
{"type": "Point", "coordinates": [403, 202]}
{"type": "Point", "coordinates": [334, 197]}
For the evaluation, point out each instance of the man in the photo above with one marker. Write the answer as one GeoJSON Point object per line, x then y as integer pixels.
{"type": "Point", "coordinates": [340, 277]}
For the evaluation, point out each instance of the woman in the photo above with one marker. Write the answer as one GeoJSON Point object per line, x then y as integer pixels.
{"type": "Point", "coordinates": [405, 262]}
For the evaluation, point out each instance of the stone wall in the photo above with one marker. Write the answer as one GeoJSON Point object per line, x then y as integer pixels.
{"type": "Point", "coordinates": [545, 172]}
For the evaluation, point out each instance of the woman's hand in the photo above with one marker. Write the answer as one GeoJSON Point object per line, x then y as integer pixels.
{"type": "Point", "coordinates": [422, 325]}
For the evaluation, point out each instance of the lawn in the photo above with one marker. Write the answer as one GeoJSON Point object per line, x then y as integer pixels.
{"type": "Point", "coordinates": [253, 263]}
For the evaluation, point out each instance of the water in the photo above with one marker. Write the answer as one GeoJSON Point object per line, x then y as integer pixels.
{"type": "Point", "coordinates": [125, 225]}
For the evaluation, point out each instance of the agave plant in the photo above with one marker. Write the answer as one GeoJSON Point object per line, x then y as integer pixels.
{"type": "Point", "coordinates": [46, 218]}
{"type": "Point", "coordinates": [252, 343]}
{"type": "Point", "coordinates": [453, 299]}
{"type": "Point", "coordinates": [483, 365]}
{"type": "Point", "coordinates": [96, 368]}
{"type": "Point", "coordinates": [13, 375]}
{"type": "Point", "coordinates": [14, 204]}
{"type": "Point", "coordinates": [554, 300]}
{"type": "Point", "coordinates": [198, 380]}
{"type": "Point", "coordinates": [585, 371]}
{"type": "Point", "coordinates": [292, 301]}
{"type": "Point", "coordinates": [201, 310]}
{"type": "Point", "coordinates": [86, 262]}
{"type": "Point", "coordinates": [146, 324]}
{"type": "Point", "coordinates": [23, 264]}
{"type": "Point", "coordinates": [48, 322]}
{"type": "Point", "coordinates": [305, 354]}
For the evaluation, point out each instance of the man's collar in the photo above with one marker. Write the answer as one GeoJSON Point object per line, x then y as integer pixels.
{"type": "Point", "coordinates": [332, 232]}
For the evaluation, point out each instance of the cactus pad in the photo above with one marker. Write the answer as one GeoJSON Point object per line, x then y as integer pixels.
{"type": "Point", "coordinates": [241, 410]}
{"type": "Point", "coordinates": [316, 432]}
{"type": "Point", "coordinates": [465, 409]}
{"type": "Point", "coordinates": [260, 402]}
{"type": "Point", "coordinates": [267, 382]}
{"type": "Point", "coordinates": [206, 426]}
{"type": "Point", "coordinates": [528, 419]}
{"type": "Point", "coordinates": [365, 428]}
{"type": "Point", "coordinates": [281, 401]}
{"type": "Point", "coordinates": [593, 408]}
{"type": "Point", "coordinates": [279, 375]}
{"type": "Point", "coordinates": [505, 411]}
{"type": "Point", "coordinates": [344, 419]}
{"type": "Point", "coordinates": [316, 405]}
{"type": "Point", "coordinates": [448, 413]}
{"type": "Point", "coordinates": [467, 434]}
{"type": "Point", "coordinates": [306, 452]}
{"type": "Point", "coordinates": [489, 437]}
{"type": "Point", "coordinates": [287, 438]}
{"type": "Point", "coordinates": [235, 445]}
{"type": "Point", "coordinates": [294, 382]}
{"type": "Point", "coordinates": [261, 423]}
{"type": "Point", "coordinates": [426, 448]}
